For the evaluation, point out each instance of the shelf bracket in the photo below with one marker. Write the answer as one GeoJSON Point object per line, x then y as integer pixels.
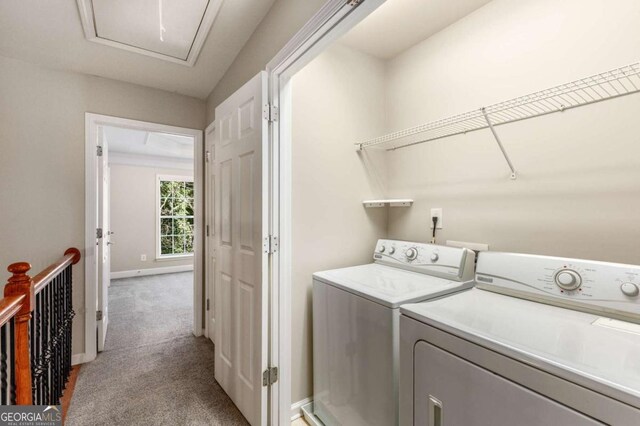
{"type": "Point", "coordinates": [514, 175]}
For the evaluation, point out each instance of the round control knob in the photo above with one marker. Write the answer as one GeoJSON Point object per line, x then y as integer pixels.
{"type": "Point", "coordinates": [392, 250]}
{"type": "Point", "coordinates": [382, 249]}
{"type": "Point", "coordinates": [629, 289]}
{"type": "Point", "coordinates": [435, 257]}
{"type": "Point", "coordinates": [411, 253]}
{"type": "Point", "coordinates": [568, 279]}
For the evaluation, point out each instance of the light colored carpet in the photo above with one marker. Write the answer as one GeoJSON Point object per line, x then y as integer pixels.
{"type": "Point", "coordinates": [153, 370]}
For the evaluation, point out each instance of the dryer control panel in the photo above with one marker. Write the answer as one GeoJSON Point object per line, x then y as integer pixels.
{"type": "Point", "coordinates": [448, 262]}
{"type": "Point", "coordinates": [611, 289]}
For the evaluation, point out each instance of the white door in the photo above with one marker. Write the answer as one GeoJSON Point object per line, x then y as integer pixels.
{"type": "Point", "coordinates": [104, 243]}
{"type": "Point", "coordinates": [210, 234]}
{"type": "Point", "coordinates": [241, 226]}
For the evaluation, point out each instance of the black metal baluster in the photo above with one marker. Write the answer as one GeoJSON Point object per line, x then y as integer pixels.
{"type": "Point", "coordinates": [59, 330]}
{"type": "Point", "coordinates": [67, 314]}
{"type": "Point", "coordinates": [54, 340]}
{"type": "Point", "coordinates": [70, 315]}
{"type": "Point", "coordinates": [12, 358]}
{"type": "Point", "coordinates": [3, 365]}
{"type": "Point", "coordinates": [39, 331]}
{"type": "Point", "coordinates": [32, 351]}
{"type": "Point", "coordinates": [45, 345]}
{"type": "Point", "coordinates": [55, 370]}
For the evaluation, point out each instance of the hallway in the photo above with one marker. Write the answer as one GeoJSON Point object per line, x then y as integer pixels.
{"type": "Point", "coordinates": [153, 370]}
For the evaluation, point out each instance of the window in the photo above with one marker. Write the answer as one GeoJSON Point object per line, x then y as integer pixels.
{"type": "Point", "coordinates": [175, 213]}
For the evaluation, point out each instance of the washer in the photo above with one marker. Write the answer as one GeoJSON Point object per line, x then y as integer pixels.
{"type": "Point", "coordinates": [539, 341]}
{"type": "Point", "coordinates": [356, 326]}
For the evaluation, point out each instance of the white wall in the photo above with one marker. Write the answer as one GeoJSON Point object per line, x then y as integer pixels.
{"type": "Point", "coordinates": [42, 158]}
{"type": "Point", "coordinates": [280, 24]}
{"type": "Point", "coordinates": [578, 190]}
{"type": "Point", "coordinates": [133, 217]}
{"type": "Point", "coordinates": [337, 98]}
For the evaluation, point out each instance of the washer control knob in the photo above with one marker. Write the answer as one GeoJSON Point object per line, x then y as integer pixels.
{"type": "Point", "coordinates": [629, 289]}
{"type": "Point", "coordinates": [568, 279]}
{"type": "Point", "coordinates": [392, 250]}
{"type": "Point", "coordinates": [435, 257]}
{"type": "Point", "coordinates": [411, 253]}
{"type": "Point", "coordinates": [382, 248]}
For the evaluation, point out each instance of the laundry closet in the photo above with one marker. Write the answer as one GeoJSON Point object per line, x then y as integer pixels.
{"type": "Point", "coordinates": [574, 190]}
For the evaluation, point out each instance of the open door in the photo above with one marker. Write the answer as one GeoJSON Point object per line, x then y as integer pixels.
{"type": "Point", "coordinates": [210, 233]}
{"type": "Point", "coordinates": [104, 243]}
{"type": "Point", "coordinates": [241, 262]}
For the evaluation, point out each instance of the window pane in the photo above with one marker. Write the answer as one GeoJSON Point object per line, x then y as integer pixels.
{"type": "Point", "coordinates": [180, 207]}
{"type": "Point", "coordinates": [190, 225]}
{"type": "Point", "coordinates": [178, 244]}
{"type": "Point", "coordinates": [166, 246]}
{"type": "Point", "coordinates": [189, 244]}
{"type": "Point", "coordinates": [165, 188]}
{"type": "Point", "coordinates": [189, 207]}
{"type": "Point", "coordinates": [166, 226]}
{"type": "Point", "coordinates": [165, 207]}
{"type": "Point", "coordinates": [189, 189]}
{"type": "Point", "coordinates": [181, 227]}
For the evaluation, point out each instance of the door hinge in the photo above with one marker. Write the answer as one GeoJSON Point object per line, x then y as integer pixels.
{"type": "Point", "coordinates": [99, 151]}
{"type": "Point", "coordinates": [98, 315]}
{"type": "Point", "coordinates": [270, 244]}
{"type": "Point", "coordinates": [207, 227]}
{"type": "Point", "coordinates": [207, 304]}
{"type": "Point", "coordinates": [207, 156]}
{"type": "Point", "coordinates": [270, 112]}
{"type": "Point", "coordinates": [270, 376]}
{"type": "Point", "coordinates": [99, 233]}
{"type": "Point", "coordinates": [354, 3]}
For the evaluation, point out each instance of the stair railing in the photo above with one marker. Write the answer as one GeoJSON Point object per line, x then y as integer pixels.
{"type": "Point", "coordinates": [36, 317]}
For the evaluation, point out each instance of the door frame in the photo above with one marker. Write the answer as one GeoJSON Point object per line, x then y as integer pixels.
{"type": "Point", "coordinates": [331, 22]}
{"type": "Point", "coordinates": [92, 121]}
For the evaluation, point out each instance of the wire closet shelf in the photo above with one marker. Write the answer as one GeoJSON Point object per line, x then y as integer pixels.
{"type": "Point", "coordinates": [596, 88]}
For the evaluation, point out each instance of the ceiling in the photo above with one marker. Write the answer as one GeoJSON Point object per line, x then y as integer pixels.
{"type": "Point", "coordinates": [50, 34]}
{"type": "Point", "coordinates": [154, 144]}
{"type": "Point", "coordinates": [400, 24]}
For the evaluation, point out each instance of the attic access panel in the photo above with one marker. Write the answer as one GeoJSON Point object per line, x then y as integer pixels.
{"type": "Point", "coordinates": [173, 30]}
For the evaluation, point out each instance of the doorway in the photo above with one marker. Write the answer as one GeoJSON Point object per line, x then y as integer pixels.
{"type": "Point", "coordinates": [170, 238]}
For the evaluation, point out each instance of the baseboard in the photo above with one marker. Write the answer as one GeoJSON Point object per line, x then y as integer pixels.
{"type": "Point", "coordinates": [296, 408]}
{"type": "Point", "coordinates": [151, 271]}
{"type": "Point", "coordinates": [78, 359]}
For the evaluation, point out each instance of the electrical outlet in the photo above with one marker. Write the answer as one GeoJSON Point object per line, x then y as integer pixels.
{"type": "Point", "coordinates": [143, 257]}
{"type": "Point", "coordinates": [437, 212]}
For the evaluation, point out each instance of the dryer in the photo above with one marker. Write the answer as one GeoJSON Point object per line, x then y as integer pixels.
{"type": "Point", "coordinates": [539, 341]}
{"type": "Point", "coordinates": [356, 326]}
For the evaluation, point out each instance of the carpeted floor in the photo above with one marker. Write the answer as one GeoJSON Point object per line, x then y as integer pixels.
{"type": "Point", "coordinates": [153, 370]}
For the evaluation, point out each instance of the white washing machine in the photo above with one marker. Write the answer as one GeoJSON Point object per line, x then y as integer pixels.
{"type": "Point", "coordinates": [539, 341]}
{"type": "Point", "coordinates": [356, 326]}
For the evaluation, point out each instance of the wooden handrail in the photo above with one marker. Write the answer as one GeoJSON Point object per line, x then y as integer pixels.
{"type": "Point", "coordinates": [18, 304]}
{"type": "Point", "coordinates": [9, 307]}
{"type": "Point", "coordinates": [71, 257]}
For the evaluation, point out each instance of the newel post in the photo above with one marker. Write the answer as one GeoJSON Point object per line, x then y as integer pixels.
{"type": "Point", "coordinates": [22, 284]}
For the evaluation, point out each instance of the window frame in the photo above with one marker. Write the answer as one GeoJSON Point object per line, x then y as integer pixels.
{"type": "Point", "coordinates": [158, 232]}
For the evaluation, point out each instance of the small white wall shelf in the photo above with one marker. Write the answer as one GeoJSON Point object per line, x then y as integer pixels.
{"type": "Point", "coordinates": [596, 88]}
{"type": "Point", "coordinates": [405, 202]}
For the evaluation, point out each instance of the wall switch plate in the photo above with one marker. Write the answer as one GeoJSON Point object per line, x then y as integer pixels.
{"type": "Point", "coordinates": [437, 212]}
{"type": "Point", "coordinates": [143, 257]}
